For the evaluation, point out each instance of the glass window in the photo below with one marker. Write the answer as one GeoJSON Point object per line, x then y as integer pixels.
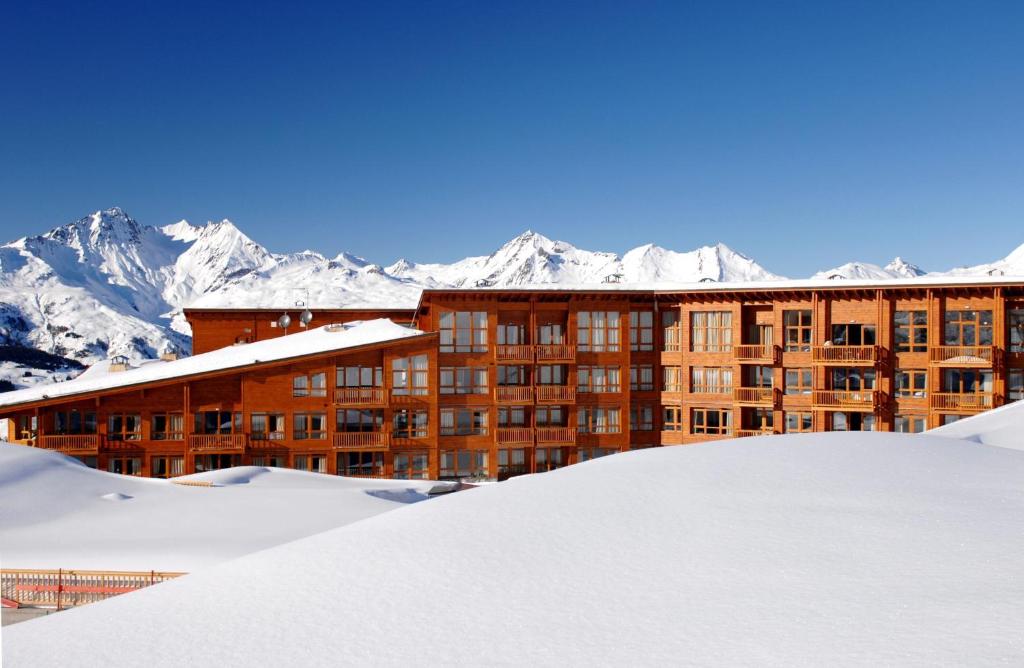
{"type": "Point", "coordinates": [598, 379]}
{"type": "Point", "coordinates": [853, 335]}
{"type": "Point", "coordinates": [458, 421]}
{"type": "Point", "coordinates": [641, 330]}
{"type": "Point", "coordinates": [1015, 385]}
{"type": "Point", "coordinates": [167, 427]}
{"type": "Point", "coordinates": [267, 426]}
{"type": "Point", "coordinates": [464, 464]}
{"type": "Point", "coordinates": [597, 331]}
{"type": "Point", "coordinates": [359, 376]}
{"type": "Point", "coordinates": [711, 421]}
{"type": "Point", "coordinates": [967, 381]}
{"type": "Point", "coordinates": [361, 464]}
{"type": "Point", "coordinates": [797, 330]}
{"type": "Point", "coordinates": [409, 424]}
{"type": "Point", "coordinates": [641, 378]}
{"type": "Point", "coordinates": [309, 426]}
{"type": "Point", "coordinates": [711, 331]}
{"type": "Point", "coordinates": [409, 375]}
{"type": "Point", "coordinates": [711, 380]}
{"type": "Point", "coordinates": [598, 420]}
{"type": "Point", "coordinates": [968, 328]}
{"type": "Point", "coordinates": [463, 380]}
{"type": "Point", "coordinates": [799, 422]}
{"type": "Point", "coordinates": [641, 418]}
{"type": "Point", "coordinates": [671, 418]}
{"type": "Point", "coordinates": [463, 331]}
{"type": "Point", "coordinates": [124, 427]}
{"type": "Point", "coordinates": [359, 420]}
{"type": "Point", "coordinates": [412, 466]}
{"type": "Point", "coordinates": [911, 331]}
{"type": "Point", "coordinates": [911, 383]}
{"type": "Point", "coordinates": [672, 378]}
{"type": "Point", "coordinates": [552, 374]}
{"type": "Point", "coordinates": [909, 424]}
{"type": "Point", "coordinates": [671, 332]}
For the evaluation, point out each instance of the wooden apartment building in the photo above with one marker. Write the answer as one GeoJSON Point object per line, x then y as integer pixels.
{"type": "Point", "coordinates": [497, 383]}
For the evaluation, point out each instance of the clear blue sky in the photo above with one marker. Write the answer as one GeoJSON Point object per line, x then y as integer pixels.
{"type": "Point", "coordinates": [805, 134]}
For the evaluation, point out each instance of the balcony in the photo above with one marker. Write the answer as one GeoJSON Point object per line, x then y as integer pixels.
{"type": "Point", "coordinates": [81, 443]}
{"type": "Point", "coordinates": [743, 433]}
{"type": "Point", "coordinates": [515, 436]}
{"type": "Point", "coordinates": [556, 394]}
{"type": "Point", "coordinates": [359, 396]}
{"type": "Point", "coordinates": [557, 435]}
{"type": "Point", "coordinates": [759, 353]}
{"type": "Point", "coordinates": [858, 400]}
{"type": "Point", "coordinates": [754, 396]}
{"type": "Point", "coordinates": [981, 401]}
{"type": "Point", "coordinates": [844, 355]}
{"type": "Point", "coordinates": [556, 353]}
{"type": "Point", "coordinates": [203, 442]}
{"type": "Point", "coordinates": [969, 356]}
{"type": "Point", "coordinates": [362, 439]}
{"type": "Point", "coordinates": [513, 394]}
{"type": "Point", "coordinates": [514, 353]}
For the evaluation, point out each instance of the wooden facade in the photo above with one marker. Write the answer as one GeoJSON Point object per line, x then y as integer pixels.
{"type": "Point", "coordinates": [520, 381]}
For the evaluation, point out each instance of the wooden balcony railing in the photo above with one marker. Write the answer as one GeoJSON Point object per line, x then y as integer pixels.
{"type": "Point", "coordinates": [216, 442]}
{"type": "Point", "coordinates": [359, 396]}
{"type": "Point", "coordinates": [556, 353]}
{"type": "Point", "coordinates": [513, 394]}
{"type": "Point", "coordinates": [759, 396]}
{"type": "Point", "coordinates": [742, 433]}
{"type": "Point", "coordinates": [71, 443]}
{"type": "Point", "coordinates": [757, 352]}
{"type": "Point", "coordinates": [981, 401]}
{"type": "Point", "coordinates": [982, 356]}
{"type": "Point", "coordinates": [521, 435]}
{"type": "Point", "coordinates": [556, 394]}
{"type": "Point", "coordinates": [362, 439]}
{"type": "Point", "coordinates": [514, 353]}
{"type": "Point", "coordinates": [64, 589]}
{"type": "Point", "coordinates": [840, 399]}
{"type": "Point", "coordinates": [845, 354]}
{"type": "Point", "coordinates": [556, 435]}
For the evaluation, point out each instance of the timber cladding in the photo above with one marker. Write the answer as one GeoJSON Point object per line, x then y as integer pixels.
{"type": "Point", "coordinates": [517, 381]}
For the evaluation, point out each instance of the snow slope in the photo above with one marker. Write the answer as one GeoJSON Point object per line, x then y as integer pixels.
{"type": "Point", "coordinates": [809, 549]}
{"type": "Point", "coordinates": [1003, 427]}
{"type": "Point", "coordinates": [57, 513]}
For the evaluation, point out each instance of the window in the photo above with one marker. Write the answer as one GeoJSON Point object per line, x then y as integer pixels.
{"type": "Point", "coordinates": [552, 374]}
{"type": "Point", "coordinates": [1015, 385]}
{"type": "Point", "coordinates": [671, 418]}
{"type": "Point", "coordinates": [641, 378]}
{"type": "Point", "coordinates": [797, 330]}
{"type": "Point", "coordinates": [511, 375]}
{"type": "Point", "coordinates": [74, 422]}
{"type": "Point", "coordinates": [672, 379]}
{"type": "Point", "coordinates": [594, 420]}
{"type": "Point", "coordinates": [463, 380]}
{"type": "Point", "coordinates": [761, 419]}
{"type": "Point", "coordinates": [356, 420]}
{"type": "Point", "coordinates": [511, 416]}
{"type": "Point", "coordinates": [641, 418]}
{"type": "Point", "coordinates": [853, 379]}
{"type": "Point", "coordinates": [216, 462]}
{"type": "Point", "coordinates": [597, 331]}
{"type": "Point", "coordinates": [671, 331]}
{"type": "Point", "coordinates": [853, 335]}
{"type": "Point", "coordinates": [359, 376]}
{"type": "Point", "coordinates": [966, 381]}
{"type": "Point", "coordinates": [361, 464]}
{"type": "Point", "coordinates": [313, 463]}
{"type": "Point", "coordinates": [309, 426]}
{"type": "Point", "coordinates": [598, 379]}
{"type": "Point", "coordinates": [463, 331]}
{"type": "Point", "coordinates": [511, 334]}
{"type": "Point", "coordinates": [853, 422]}
{"type": "Point", "coordinates": [1016, 338]}
{"type": "Point", "coordinates": [314, 385]}
{"type": "Point", "coordinates": [548, 459]}
{"type": "Point", "coordinates": [950, 419]}
{"type": "Point", "coordinates": [276, 461]}
{"type": "Point", "coordinates": [910, 424]}
{"type": "Point", "coordinates": [710, 380]}
{"type": "Point", "coordinates": [167, 427]}
{"type": "Point", "coordinates": [711, 421]}
{"type": "Point", "coordinates": [463, 421]}
{"type": "Point", "coordinates": [911, 331]}
{"type": "Point", "coordinates": [711, 331]}
{"type": "Point", "coordinates": [583, 454]}
{"type": "Point", "coordinates": [550, 334]}
{"type": "Point", "coordinates": [218, 422]}
{"type": "Point", "coordinates": [125, 465]}
{"type": "Point", "coordinates": [511, 462]}
{"type": "Point", "coordinates": [124, 427]}
{"type": "Point", "coordinates": [911, 383]}
{"type": "Point", "coordinates": [409, 424]}
{"type": "Point", "coordinates": [409, 375]}
{"type": "Point", "coordinates": [412, 466]}
{"type": "Point", "coordinates": [641, 330]}
{"type": "Point", "coordinates": [968, 328]}
{"type": "Point", "coordinates": [798, 381]}
{"type": "Point", "coordinates": [551, 416]}
{"type": "Point", "coordinates": [463, 464]}
{"type": "Point", "coordinates": [797, 423]}
{"type": "Point", "coordinates": [167, 467]}
{"type": "Point", "coordinates": [760, 376]}
{"type": "Point", "coordinates": [267, 426]}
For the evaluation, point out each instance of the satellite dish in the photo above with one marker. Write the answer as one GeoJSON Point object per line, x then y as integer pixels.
{"type": "Point", "coordinates": [306, 317]}
{"type": "Point", "coordinates": [284, 321]}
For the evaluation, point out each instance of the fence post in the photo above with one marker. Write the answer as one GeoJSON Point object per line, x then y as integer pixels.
{"type": "Point", "coordinates": [60, 587]}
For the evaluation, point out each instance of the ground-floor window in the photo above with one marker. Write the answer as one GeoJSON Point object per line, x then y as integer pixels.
{"type": "Point", "coordinates": [125, 465]}
{"type": "Point", "coordinates": [464, 464]}
{"type": "Point", "coordinates": [641, 418]}
{"type": "Point", "coordinates": [279, 461]}
{"type": "Point", "coordinates": [167, 467]}
{"type": "Point", "coordinates": [90, 461]}
{"type": "Point", "coordinates": [711, 421]}
{"type": "Point", "coordinates": [314, 463]}
{"type": "Point", "coordinates": [512, 462]}
{"type": "Point", "coordinates": [583, 454]}
{"type": "Point", "coordinates": [548, 459]}
{"type": "Point", "coordinates": [1015, 385]}
{"type": "Point", "coordinates": [412, 466]}
{"type": "Point", "coordinates": [910, 424]}
{"type": "Point", "coordinates": [950, 419]}
{"type": "Point", "coordinates": [853, 421]}
{"type": "Point", "coordinates": [797, 423]}
{"type": "Point", "coordinates": [361, 464]}
{"type": "Point", "coordinates": [216, 462]}
{"type": "Point", "coordinates": [671, 418]}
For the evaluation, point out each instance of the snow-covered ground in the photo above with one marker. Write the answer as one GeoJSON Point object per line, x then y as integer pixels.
{"type": "Point", "coordinates": [808, 549]}
{"type": "Point", "coordinates": [57, 513]}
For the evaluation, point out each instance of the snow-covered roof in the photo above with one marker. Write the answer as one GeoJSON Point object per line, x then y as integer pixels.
{"type": "Point", "coordinates": [328, 338]}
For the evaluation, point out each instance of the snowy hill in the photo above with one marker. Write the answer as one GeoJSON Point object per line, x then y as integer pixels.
{"type": "Point", "coordinates": [808, 549]}
{"type": "Point", "coordinates": [898, 268]}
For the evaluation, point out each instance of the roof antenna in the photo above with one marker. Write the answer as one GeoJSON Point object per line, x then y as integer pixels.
{"type": "Point", "coordinates": [306, 316]}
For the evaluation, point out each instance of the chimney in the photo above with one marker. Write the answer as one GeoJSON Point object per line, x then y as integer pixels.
{"type": "Point", "coordinates": [118, 363]}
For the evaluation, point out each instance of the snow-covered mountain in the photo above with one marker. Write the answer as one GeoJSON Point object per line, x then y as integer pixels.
{"type": "Point", "coordinates": [107, 285]}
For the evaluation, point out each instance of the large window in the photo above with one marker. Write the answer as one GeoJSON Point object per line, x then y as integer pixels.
{"type": "Point", "coordinates": [359, 420]}
{"type": "Point", "coordinates": [641, 418]}
{"type": "Point", "coordinates": [125, 465]}
{"type": "Point", "coordinates": [598, 379]}
{"type": "Point", "coordinates": [711, 331]}
{"type": "Point", "coordinates": [910, 424]}
{"type": "Point", "coordinates": [512, 462]}
{"type": "Point", "coordinates": [74, 422]}
{"type": "Point", "coordinates": [641, 378]}
{"type": "Point", "coordinates": [853, 422]}
{"type": "Point", "coordinates": [412, 466]}
{"type": "Point", "coordinates": [548, 459]}
{"type": "Point", "coordinates": [671, 418]}
{"type": "Point", "coordinates": [309, 426]}
{"type": "Point", "coordinates": [854, 335]}
{"type": "Point", "coordinates": [409, 375]}
{"type": "Point", "coordinates": [911, 383]}
{"type": "Point", "coordinates": [511, 416]}
{"type": "Point", "coordinates": [799, 381]}
{"type": "Point", "coordinates": [313, 385]}
{"type": "Point", "coordinates": [463, 380]}
{"type": "Point", "coordinates": [552, 374]}
{"type": "Point", "coordinates": [409, 424]}
{"type": "Point", "coordinates": [551, 416]}
{"type": "Point", "coordinates": [267, 426]}
{"type": "Point", "coordinates": [459, 421]}
{"type": "Point", "coordinates": [584, 454]}
{"type": "Point", "coordinates": [671, 332]}
{"type": "Point", "coordinates": [313, 463]}
{"type": "Point", "coordinates": [710, 380]}
{"type": "Point", "coordinates": [1016, 319]}
{"type": "Point", "coordinates": [511, 334]}
{"type": "Point", "coordinates": [853, 379]}
{"type": "Point", "coordinates": [598, 420]}
{"type": "Point", "coordinates": [366, 464]}
{"type": "Point", "coordinates": [218, 422]}
{"type": "Point", "coordinates": [167, 427]}
{"type": "Point", "coordinates": [799, 422]}
{"type": "Point", "coordinates": [966, 381]}
{"type": "Point", "coordinates": [509, 374]}
{"type": "Point", "coordinates": [464, 464]}
{"type": "Point", "coordinates": [911, 331]}
{"type": "Point", "coordinates": [550, 334]}
{"type": "Point", "coordinates": [672, 378]}
{"type": "Point", "coordinates": [167, 466]}
{"type": "Point", "coordinates": [641, 330]}
{"type": "Point", "coordinates": [968, 328]}
{"type": "Point", "coordinates": [597, 331]}
{"type": "Point", "coordinates": [463, 331]}
{"type": "Point", "coordinates": [1015, 385]}
{"type": "Point", "coordinates": [711, 421]}
{"type": "Point", "coordinates": [124, 427]}
{"type": "Point", "coordinates": [797, 330]}
{"type": "Point", "coordinates": [359, 376]}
